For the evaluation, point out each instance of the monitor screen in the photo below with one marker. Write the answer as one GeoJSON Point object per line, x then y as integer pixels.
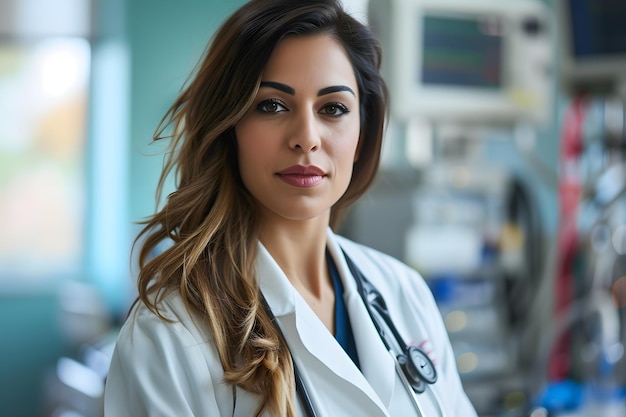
{"type": "Point", "coordinates": [597, 28]}
{"type": "Point", "coordinates": [462, 51]}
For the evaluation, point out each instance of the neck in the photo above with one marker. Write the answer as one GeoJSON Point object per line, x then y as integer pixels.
{"type": "Point", "coordinates": [300, 250]}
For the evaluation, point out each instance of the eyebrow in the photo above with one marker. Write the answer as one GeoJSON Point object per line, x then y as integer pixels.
{"type": "Point", "coordinates": [335, 89]}
{"type": "Point", "coordinates": [290, 90]}
{"type": "Point", "coordinates": [278, 86]}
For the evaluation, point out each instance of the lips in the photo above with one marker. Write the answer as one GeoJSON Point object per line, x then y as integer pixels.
{"type": "Point", "coordinates": [302, 176]}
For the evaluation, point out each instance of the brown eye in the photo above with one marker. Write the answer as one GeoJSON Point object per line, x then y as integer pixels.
{"type": "Point", "coordinates": [334, 110]}
{"type": "Point", "coordinates": [271, 106]}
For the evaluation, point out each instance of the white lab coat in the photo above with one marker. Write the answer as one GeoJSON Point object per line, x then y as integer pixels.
{"type": "Point", "coordinates": [173, 369]}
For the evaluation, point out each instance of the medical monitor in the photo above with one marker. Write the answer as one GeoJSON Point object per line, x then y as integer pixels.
{"type": "Point", "coordinates": [465, 60]}
{"type": "Point", "coordinates": [593, 43]}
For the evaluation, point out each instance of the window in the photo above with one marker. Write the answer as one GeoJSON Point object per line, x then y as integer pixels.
{"type": "Point", "coordinates": [44, 85]}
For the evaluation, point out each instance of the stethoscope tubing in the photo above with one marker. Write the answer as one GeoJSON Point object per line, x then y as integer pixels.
{"type": "Point", "coordinates": [301, 391]}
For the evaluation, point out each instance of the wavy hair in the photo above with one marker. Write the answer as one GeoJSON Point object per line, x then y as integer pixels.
{"type": "Point", "coordinates": [211, 219]}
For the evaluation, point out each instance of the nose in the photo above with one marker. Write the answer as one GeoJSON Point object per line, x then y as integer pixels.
{"type": "Point", "coordinates": [305, 134]}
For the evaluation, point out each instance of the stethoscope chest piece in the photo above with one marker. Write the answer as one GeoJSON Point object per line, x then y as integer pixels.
{"type": "Point", "coordinates": [418, 368]}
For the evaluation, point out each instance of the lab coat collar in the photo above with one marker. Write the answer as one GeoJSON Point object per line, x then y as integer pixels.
{"type": "Point", "coordinates": [376, 362]}
{"type": "Point", "coordinates": [283, 298]}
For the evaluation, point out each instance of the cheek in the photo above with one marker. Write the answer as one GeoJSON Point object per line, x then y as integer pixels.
{"type": "Point", "coordinates": [348, 150]}
{"type": "Point", "coordinates": [249, 143]}
{"type": "Point", "coordinates": [349, 154]}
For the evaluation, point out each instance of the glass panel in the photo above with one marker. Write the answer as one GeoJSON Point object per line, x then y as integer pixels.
{"type": "Point", "coordinates": [462, 51]}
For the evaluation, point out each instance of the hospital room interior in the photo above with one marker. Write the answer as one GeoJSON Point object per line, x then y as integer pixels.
{"type": "Point", "coordinates": [502, 182]}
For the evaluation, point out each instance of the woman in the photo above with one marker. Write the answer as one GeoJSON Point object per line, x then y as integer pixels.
{"type": "Point", "coordinates": [255, 308]}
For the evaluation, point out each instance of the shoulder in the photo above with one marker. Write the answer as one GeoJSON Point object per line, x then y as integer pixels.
{"type": "Point", "coordinates": [362, 253]}
{"type": "Point", "coordinates": [374, 261]}
{"type": "Point", "coordinates": [175, 321]}
{"type": "Point", "coordinates": [390, 275]}
{"type": "Point", "coordinates": [167, 357]}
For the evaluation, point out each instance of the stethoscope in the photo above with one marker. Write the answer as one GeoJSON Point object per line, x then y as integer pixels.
{"type": "Point", "coordinates": [414, 367]}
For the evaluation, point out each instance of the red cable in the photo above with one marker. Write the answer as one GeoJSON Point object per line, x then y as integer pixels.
{"type": "Point", "coordinates": [569, 192]}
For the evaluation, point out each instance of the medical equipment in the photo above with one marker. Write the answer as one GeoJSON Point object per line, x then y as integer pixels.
{"type": "Point", "coordinates": [593, 52]}
{"type": "Point", "coordinates": [472, 61]}
{"type": "Point", "coordinates": [414, 367]}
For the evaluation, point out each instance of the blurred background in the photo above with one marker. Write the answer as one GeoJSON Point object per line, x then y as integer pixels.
{"type": "Point", "coordinates": [502, 182]}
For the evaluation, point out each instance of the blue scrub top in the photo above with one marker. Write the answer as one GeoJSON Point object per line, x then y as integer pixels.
{"type": "Point", "coordinates": [343, 328]}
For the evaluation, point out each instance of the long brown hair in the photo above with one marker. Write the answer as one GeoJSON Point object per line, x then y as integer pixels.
{"type": "Point", "coordinates": [210, 219]}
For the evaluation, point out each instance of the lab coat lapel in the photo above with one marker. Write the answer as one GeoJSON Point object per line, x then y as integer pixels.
{"type": "Point", "coordinates": [275, 286]}
{"type": "Point", "coordinates": [376, 362]}
{"type": "Point", "coordinates": [285, 300]}
{"type": "Point", "coordinates": [322, 344]}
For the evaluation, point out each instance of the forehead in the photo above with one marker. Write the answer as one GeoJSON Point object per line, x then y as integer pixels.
{"type": "Point", "coordinates": [312, 60]}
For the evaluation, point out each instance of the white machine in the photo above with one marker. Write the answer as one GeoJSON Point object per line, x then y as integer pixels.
{"type": "Point", "coordinates": [467, 61]}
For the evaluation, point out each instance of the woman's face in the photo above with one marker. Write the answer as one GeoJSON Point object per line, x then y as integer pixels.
{"type": "Point", "coordinates": [297, 144]}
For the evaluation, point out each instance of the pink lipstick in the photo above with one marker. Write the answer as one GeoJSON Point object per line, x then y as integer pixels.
{"type": "Point", "coordinates": [302, 176]}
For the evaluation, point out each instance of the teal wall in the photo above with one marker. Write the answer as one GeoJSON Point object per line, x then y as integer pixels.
{"type": "Point", "coordinates": [31, 342]}
{"type": "Point", "coordinates": [167, 39]}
